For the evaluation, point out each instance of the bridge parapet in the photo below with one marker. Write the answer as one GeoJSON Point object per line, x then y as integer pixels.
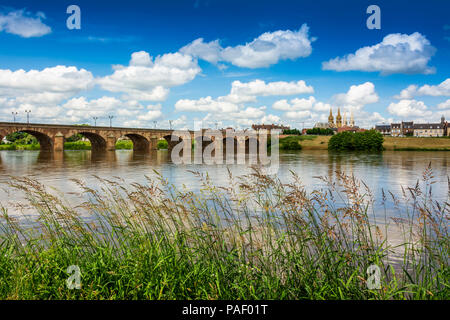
{"type": "Point", "coordinates": [52, 136]}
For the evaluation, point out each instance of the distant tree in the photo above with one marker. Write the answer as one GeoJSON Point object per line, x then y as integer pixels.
{"type": "Point", "coordinates": [162, 144]}
{"type": "Point", "coordinates": [74, 138]}
{"type": "Point", "coordinates": [292, 131]}
{"type": "Point", "coordinates": [320, 131]}
{"type": "Point", "coordinates": [16, 136]}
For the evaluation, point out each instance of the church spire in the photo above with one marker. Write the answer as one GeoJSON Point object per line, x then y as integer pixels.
{"type": "Point", "coordinates": [331, 120]}
{"type": "Point", "coordinates": [352, 120]}
{"type": "Point", "coordinates": [339, 119]}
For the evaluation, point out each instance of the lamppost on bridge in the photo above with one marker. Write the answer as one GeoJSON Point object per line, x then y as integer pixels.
{"type": "Point", "coordinates": [14, 113]}
{"type": "Point", "coordinates": [110, 121]}
{"type": "Point", "coordinates": [170, 124]}
{"type": "Point", "coordinates": [28, 116]}
{"type": "Point", "coordinates": [154, 124]}
{"type": "Point", "coordinates": [95, 121]}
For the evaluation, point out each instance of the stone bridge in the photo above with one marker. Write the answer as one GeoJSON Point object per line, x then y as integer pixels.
{"type": "Point", "coordinates": [51, 137]}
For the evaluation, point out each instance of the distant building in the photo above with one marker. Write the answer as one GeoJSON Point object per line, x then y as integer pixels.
{"type": "Point", "coordinates": [351, 129]}
{"type": "Point", "coordinates": [402, 129]}
{"type": "Point", "coordinates": [384, 129]}
{"type": "Point", "coordinates": [429, 130]}
{"type": "Point", "coordinates": [269, 127]}
{"type": "Point", "coordinates": [340, 122]}
{"type": "Point", "coordinates": [396, 129]}
{"type": "Point", "coordinates": [322, 125]}
{"type": "Point", "coordinates": [409, 128]}
{"type": "Point", "coordinates": [331, 120]}
{"type": "Point", "coordinates": [339, 119]}
{"type": "Point", "coordinates": [446, 126]}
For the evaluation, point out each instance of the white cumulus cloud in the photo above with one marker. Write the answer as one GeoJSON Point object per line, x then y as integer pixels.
{"type": "Point", "coordinates": [261, 88]}
{"type": "Point", "coordinates": [43, 87]}
{"type": "Point", "coordinates": [298, 114]}
{"type": "Point", "coordinates": [409, 109]}
{"type": "Point", "coordinates": [407, 93]}
{"type": "Point", "coordinates": [358, 96]}
{"type": "Point", "coordinates": [444, 105]}
{"type": "Point", "coordinates": [442, 89]}
{"type": "Point", "coordinates": [24, 24]}
{"type": "Point", "coordinates": [295, 104]}
{"type": "Point", "coordinates": [148, 79]}
{"type": "Point", "coordinates": [397, 53]}
{"type": "Point", "coordinates": [206, 104]}
{"type": "Point", "coordinates": [263, 51]}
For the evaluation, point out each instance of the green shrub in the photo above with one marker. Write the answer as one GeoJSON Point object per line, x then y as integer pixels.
{"type": "Point", "coordinates": [162, 144]}
{"type": "Point", "coordinates": [370, 140]}
{"type": "Point", "coordinates": [77, 145]}
{"type": "Point", "coordinates": [290, 143]}
{"type": "Point", "coordinates": [124, 145]}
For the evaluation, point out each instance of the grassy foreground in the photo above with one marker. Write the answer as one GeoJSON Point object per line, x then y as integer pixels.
{"type": "Point", "coordinates": [255, 239]}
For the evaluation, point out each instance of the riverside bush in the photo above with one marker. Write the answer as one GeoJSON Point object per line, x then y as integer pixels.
{"type": "Point", "coordinates": [370, 140]}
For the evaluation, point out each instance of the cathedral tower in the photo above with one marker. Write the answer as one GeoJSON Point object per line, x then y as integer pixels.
{"type": "Point", "coordinates": [339, 119]}
{"type": "Point", "coordinates": [331, 119]}
{"type": "Point", "coordinates": [352, 120]}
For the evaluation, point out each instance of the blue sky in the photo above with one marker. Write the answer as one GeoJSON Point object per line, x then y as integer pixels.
{"type": "Point", "coordinates": [225, 62]}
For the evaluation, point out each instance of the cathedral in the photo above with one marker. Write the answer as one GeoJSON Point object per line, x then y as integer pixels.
{"type": "Point", "coordinates": [340, 121]}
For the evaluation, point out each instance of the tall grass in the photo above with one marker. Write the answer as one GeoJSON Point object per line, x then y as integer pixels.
{"type": "Point", "coordinates": [257, 238]}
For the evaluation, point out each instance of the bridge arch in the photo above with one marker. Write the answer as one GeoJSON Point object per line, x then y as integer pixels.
{"type": "Point", "coordinates": [140, 143]}
{"type": "Point", "coordinates": [45, 141]}
{"type": "Point", "coordinates": [98, 143]}
{"type": "Point", "coordinates": [172, 144]}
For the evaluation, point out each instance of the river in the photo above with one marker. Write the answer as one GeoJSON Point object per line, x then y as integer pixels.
{"type": "Point", "coordinates": [389, 170]}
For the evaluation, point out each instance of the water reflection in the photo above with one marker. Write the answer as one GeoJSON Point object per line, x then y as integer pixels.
{"type": "Point", "coordinates": [388, 170]}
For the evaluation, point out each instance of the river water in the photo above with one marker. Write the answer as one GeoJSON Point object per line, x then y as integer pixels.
{"type": "Point", "coordinates": [389, 170]}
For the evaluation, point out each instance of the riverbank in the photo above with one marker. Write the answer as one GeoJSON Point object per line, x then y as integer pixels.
{"type": "Point", "coordinates": [390, 143]}
{"type": "Point", "coordinates": [256, 239]}
{"type": "Point", "coordinates": [307, 142]}
{"type": "Point", "coordinates": [416, 144]}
